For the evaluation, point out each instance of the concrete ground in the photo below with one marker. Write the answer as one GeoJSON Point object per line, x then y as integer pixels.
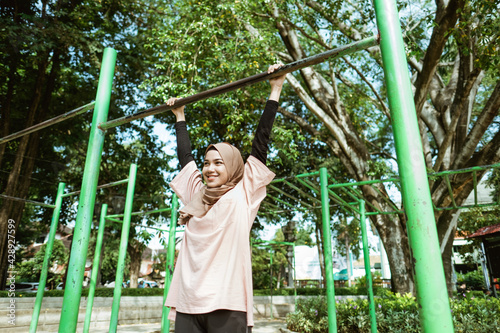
{"type": "Point", "coordinates": [261, 326]}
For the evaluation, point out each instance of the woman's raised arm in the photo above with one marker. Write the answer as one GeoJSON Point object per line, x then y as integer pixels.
{"type": "Point", "coordinates": [184, 151]}
{"type": "Point", "coordinates": [261, 139]}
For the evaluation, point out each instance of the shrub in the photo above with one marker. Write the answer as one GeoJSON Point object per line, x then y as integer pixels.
{"type": "Point", "coordinates": [394, 313]}
{"type": "Point", "coordinates": [99, 292]}
{"type": "Point", "coordinates": [357, 290]}
{"type": "Point", "coordinates": [473, 280]}
{"type": "Point", "coordinates": [310, 316]}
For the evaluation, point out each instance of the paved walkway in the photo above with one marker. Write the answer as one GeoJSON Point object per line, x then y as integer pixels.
{"type": "Point", "coordinates": [261, 326]}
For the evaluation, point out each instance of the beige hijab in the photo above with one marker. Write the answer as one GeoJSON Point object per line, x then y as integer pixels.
{"type": "Point", "coordinates": [208, 196]}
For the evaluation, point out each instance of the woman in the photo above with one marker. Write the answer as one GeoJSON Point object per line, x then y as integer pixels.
{"type": "Point", "coordinates": [211, 289]}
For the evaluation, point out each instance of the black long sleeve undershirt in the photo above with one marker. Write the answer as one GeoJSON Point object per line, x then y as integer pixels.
{"type": "Point", "coordinates": [184, 151]}
{"type": "Point", "coordinates": [259, 144]}
{"type": "Point", "coordinates": [263, 132]}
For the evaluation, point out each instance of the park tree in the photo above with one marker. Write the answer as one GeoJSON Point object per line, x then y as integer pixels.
{"type": "Point", "coordinates": [50, 59]}
{"type": "Point", "coordinates": [30, 270]}
{"type": "Point", "coordinates": [336, 113]}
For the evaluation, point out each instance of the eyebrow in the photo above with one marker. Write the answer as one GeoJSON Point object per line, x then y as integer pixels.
{"type": "Point", "coordinates": [216, 159]}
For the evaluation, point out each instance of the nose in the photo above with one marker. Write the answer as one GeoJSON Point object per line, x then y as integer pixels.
{"type": "Point", "coordinates": [210, 167]}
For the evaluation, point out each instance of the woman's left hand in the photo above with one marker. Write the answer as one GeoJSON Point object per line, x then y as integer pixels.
{"type": "Point", "coordinates": [277, 81]}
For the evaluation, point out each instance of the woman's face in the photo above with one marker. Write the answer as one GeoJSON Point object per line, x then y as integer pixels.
{"type": "Point", "coordinates": [214, 169]}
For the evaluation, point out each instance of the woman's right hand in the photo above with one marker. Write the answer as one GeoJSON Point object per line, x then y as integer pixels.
{"type": "Point", "coordinates": [178, 112]}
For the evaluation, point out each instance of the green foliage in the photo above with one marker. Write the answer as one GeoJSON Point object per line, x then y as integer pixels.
{"type": "Point", "coordinates": [110, 261]}
{"type": "Point", "coordinates": [341, 291]}
{"type": "Point", "coordinates": [50, 57]}
{"type": "Point", "coordinates": [480, 40]}
{"type": "Point", "coordinates": [30, 270]}
{"type": "Point", "coordinates": [310, 316]}
{"type": "Point", "coordinates": [394, 313]}
{"type": "Point", "coordinates": [350, 231]}
{"type": "Point", "coordinates": [99, 292]}
{"type": "Point", "coordinates": [473, 280]}
{"type": "Point", "coordinates": [471, 221]}
{"type": "Point", "coordinates": [197, 52]}
{"type": "Point", "coordinates": [303, 236]}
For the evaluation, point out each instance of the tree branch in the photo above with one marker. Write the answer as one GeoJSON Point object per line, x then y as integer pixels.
{"type": "Point", "coordinates": [438, 40]}
{"type": "Point", "coordinates": [384, 108]}
{"type": "Point", "coordinates": [485, 119]}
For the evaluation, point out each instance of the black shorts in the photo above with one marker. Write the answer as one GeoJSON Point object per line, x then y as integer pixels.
{"type": "Point", "coordinates": [219, 321]}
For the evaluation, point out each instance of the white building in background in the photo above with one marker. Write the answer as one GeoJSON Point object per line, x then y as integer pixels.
{"type": "Point", "coordinates": [308, 270]}
{"type": "Point", "coordinates": [307, 263]}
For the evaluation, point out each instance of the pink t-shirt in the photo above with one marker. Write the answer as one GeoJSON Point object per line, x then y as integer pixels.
{"type": "Point", "coordinates": [214, 270]}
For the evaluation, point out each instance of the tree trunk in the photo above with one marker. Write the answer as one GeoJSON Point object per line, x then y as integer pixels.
{"type": "Point", "coordinates": [319, 245]}
{"type": "Point", "coordinates": [98, 281]}
{"type": "Point", "coordinates": [19, 179]}
{"type": "Point", "coordinates": [6, 108]}
{"type": "Point", "coordinates": [134, 250]}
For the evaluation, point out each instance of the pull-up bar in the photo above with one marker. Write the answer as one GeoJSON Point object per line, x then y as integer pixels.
{"type": "Point", "coordinates": [291, 67]}
{"type": "Point", "coordinates": [8, 197]}
{"type": "Point", "coordinates": [49, 122]}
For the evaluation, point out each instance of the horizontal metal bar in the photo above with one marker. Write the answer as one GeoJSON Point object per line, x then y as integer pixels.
{"type": "Point", "coordinates": [8, 197]}
{"type": "Point", "coordinates": [385, 198]}
{"type": "Point", "coordinates": [352, 192]}
{"type": "Point", "coordinates": [360, 196]}
{"type": "Point", "coordinates": [453, 172]}
{"type": "Point", "coordinates": [492, 204]}
{"type": "Point", "coordinates": [302, 175]}
{"type": "Point", "coordinates": [309, 185]}
{"type": "Point", "coordinates": [291, 67]}
{"type": "Point", "coordinates": [113, 219]}
{"type": "Point", "coordinates": [144, 213]}
{"type": "Point", "coordinates": [285, 203]}
{"type": "Point", "coordinates": [47, 123]}
{"type": "Point", "coordinates": [289, 196]}
{"type": "Point", "coordinates": [259, 241]}
{"type": "Point", "coordinates": [142, 225]}
{"type": "Point", "coordinates": [366, 182]}
{"type": "Point", "coordinates": [342, 203]}
{"type": "Point", "coordinates": [305, 194]}
{"type": "Point", "coordinates": [118, 182]}
{"type": "Point", "coordinates": [310, 174]}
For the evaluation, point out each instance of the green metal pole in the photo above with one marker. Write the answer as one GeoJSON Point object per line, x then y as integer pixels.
{"type": "Point", "coordinates": [113, 322]}
{"type": "Point", "coordinates": [83, 223]}
{"type": "Point", "coordinates": [435, 313]}
{"type": "Point", "coordinates": [165, 323]}
{"type": "Point", "coordinates": [95, 267]}
{"type": "Point", "coordinates": [46, 258]}
{"type": "Point", "coordinates": [366, 255]}
{"type": "Point", "coordinates": [327, 249]}
{"type": "Point", "coordinates": [271, 279]}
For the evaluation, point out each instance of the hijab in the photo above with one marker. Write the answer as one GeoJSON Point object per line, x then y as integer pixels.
{"type": "Point", "coordinates": [203, 201]}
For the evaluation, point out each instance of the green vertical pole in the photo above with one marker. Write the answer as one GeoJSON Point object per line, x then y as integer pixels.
{"type": "Point", "coordinates": [165, 323]}
{"type": "Point", "coordinates": [127, 215]}
{"type": "Point", "coordinates": [271, 307]}
{"type": "Point", "coordinates": [294, 278]}
{"type": "Point", "coordinates": [432, 296]}
{"type": "Point", "coordinates": [95, 268]}
{"type": "Point", "coordinates": [46, 258]}
{"type": "Point", "coordinates": [366, 255]}
{"type": "Point", "coordinates": [83, 223]}
{"type": "Point", "coordinates": [327, 249]}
